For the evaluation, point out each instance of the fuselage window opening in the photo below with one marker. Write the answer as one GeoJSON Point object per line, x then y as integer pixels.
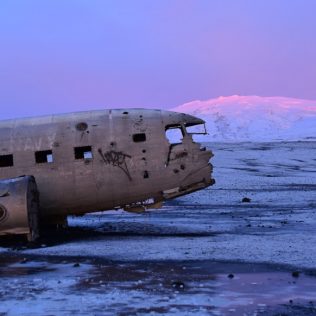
{"type": "Point", "coordinates": [174, 134]}
{"type": "Point", "coordinates": [196, 131]}
{"type": "Point", "coordinates": [140, 137]}
{"type": "Point", "coordinates": [84, 152]}
{"type": "Point", "coordinates": [199, 129]}
{"type": "Point", "coordinates": [6, 161]}
{"type": "Point", "coordinates": [44, 156]}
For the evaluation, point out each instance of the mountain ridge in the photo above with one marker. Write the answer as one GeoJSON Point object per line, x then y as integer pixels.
{"type": "Point", "coordinates": [255, 118]}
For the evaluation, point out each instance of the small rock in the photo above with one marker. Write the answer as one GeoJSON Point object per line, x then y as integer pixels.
{"type": "Point", "coordinates": [24, 260]}
{"type": "Point", "coordinates": [178, 285]}
{"type": "Point", "coordinates": [295, 274]}
{"type": "Point", "coordinates": [291, 301]}
{"type": "Point", "coordinates": [230, 276]}
{"type": "Point", "coordinates": [246, 200]}
{"type": "Point", "coordinates": [76, 265]}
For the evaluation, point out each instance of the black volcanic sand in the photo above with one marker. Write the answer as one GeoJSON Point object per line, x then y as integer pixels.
{"type": "Point", "coordinates": [220, 288]}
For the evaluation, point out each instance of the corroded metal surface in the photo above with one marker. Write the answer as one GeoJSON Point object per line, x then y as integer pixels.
{"type": "Point", "coordinates": [101, 160]}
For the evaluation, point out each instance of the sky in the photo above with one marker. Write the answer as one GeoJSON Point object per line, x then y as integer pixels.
{"type": "Point", "coordinates": [68, 55]}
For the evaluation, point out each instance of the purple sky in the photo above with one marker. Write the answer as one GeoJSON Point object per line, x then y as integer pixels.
{"type": "Point", "coordinates": [67, 55]}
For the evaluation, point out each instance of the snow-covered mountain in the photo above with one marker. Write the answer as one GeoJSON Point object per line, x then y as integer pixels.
{"type": "Point", "coordinates": [254, 118]}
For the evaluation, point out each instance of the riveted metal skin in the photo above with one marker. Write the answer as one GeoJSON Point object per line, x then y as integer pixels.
{"type": "Point", "coordinates": [131, 163]}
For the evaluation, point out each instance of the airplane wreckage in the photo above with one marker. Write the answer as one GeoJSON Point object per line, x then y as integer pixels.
{"type": "Point", "coordinates": [72, 164]}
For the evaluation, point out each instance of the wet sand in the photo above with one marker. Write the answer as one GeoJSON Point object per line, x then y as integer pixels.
{"type": "Point", "coordinates": [69, 285]}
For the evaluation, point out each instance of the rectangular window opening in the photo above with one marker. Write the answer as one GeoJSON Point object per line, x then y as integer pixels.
{"type": "Point", "coordinates": [196, 129]}
{"type": "Point", "coordinates": [174, 134]}
{"type": "Point", "coordinates": [84, 152]}
{"type": "Point", "coordinates": [6, 161]}
{"type": "Point", "coordinates": [138, 138]}
{"type": "Point", "coordinates": [44, 156]}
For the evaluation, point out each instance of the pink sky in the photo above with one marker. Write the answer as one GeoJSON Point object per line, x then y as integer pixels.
{"type": "Point", "coordinates": [61, 56]}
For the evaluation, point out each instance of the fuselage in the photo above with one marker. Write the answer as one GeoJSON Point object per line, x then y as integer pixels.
{"type": "Point", "coordinates": [99, 160]}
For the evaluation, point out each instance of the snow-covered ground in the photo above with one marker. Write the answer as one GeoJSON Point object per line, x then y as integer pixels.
{"type": "Point", "coordinates": [254, 118]}
{"type": "Point", "coordinates": [176, 260]}
{"type": "Point", "coordinates": [280, 180]}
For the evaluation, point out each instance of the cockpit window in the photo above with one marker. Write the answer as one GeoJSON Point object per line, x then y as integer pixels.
{"type": "Point", "coordinates": [196, 129]}
{"type": "Point", "coordinates": [174, 134]}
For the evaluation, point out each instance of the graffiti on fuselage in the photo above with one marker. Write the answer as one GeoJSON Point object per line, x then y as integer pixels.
{"type": "Point", "coordinates": [116, 159]}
